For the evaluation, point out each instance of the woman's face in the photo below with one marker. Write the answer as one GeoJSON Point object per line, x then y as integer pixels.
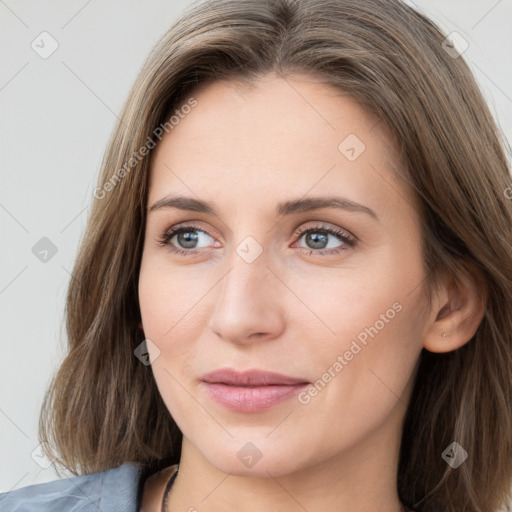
{"type": "Point", "coordinates": [271, 277]}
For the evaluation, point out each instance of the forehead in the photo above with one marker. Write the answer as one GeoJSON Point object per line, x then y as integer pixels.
{"type": "Point", "coordinates": [272, 137]}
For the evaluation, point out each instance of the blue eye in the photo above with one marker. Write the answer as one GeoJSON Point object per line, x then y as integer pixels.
{"type": "Point", "coordinates": [186, 235]}
{"type": "Point", "coordinates": [189, 236]}
{"type": "Point", "coordinates": [319, 236]}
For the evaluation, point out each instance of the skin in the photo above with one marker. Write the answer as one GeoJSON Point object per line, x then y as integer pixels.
{"type": "Point", "coordinates": [246, 149]}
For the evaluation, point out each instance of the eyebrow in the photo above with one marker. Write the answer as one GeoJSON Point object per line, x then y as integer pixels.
{"type": "Point", "coordinates": [284, 208]}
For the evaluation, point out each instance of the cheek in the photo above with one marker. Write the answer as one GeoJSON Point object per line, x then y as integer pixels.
{"type": "Point", "coordinates": [173, 309]}
{"type": "Point", "coordinates": [341, 303]}
{"type": "Point", "coordinates": [369, 318]}
{"type": "Point", "coordinates": [166, 297]}
{"type": "Point", "coordinates": [168, 316]}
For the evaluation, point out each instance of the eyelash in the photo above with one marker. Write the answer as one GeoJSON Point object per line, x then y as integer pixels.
{"type": "Point", "coordinates": [166, 237]}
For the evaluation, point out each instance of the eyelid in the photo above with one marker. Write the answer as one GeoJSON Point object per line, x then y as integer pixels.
{"type": "Point", "coordinates": [320, 225]}
{"type": "Point", "coordinates": [192, 225]}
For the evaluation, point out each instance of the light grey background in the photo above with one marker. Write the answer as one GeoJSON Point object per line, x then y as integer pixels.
{"type": "Point", "coordinates": [56, 117]}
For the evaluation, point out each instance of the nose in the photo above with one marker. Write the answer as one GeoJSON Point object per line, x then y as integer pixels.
{"type": "Point", "coordinates": [247, 305]}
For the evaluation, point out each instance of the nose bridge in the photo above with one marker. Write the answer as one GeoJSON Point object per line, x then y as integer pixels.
{"type": "Point", "coordinates": [246, 302]}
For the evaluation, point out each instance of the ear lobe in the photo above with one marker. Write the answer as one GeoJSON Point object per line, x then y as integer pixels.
{"type": "Point", "coordinates": [463, 307]}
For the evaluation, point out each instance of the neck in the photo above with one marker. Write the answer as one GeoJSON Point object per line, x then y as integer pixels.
{"type": "Point", "coordinates": [361, 478]}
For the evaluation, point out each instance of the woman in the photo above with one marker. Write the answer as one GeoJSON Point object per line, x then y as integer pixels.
{"type": "Point", "coordinates": [294, 292]}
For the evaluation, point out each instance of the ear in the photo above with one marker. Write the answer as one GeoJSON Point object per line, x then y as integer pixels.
{"type": "Point", "coordinates": [461, 306]}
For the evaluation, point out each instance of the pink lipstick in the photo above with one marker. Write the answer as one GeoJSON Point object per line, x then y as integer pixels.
{"type": "Point", "coordinates": [251, 391]}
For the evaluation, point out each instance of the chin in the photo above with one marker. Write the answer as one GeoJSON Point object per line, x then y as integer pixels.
{"type": "Point", "coordinates": [256, 459]}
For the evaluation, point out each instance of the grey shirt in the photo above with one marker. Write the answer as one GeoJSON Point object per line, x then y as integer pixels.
{"type": "Point", "coordinates": [114, 490]}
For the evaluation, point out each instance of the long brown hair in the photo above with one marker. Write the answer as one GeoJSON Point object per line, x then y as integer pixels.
{"type": "Point", "coordinates": [103, 407]}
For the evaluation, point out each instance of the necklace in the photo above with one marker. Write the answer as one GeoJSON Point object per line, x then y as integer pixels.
{"type": "Point", "coordinates": [168, 489]}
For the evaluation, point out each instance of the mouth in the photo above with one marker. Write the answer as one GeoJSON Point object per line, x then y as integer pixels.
{"type": "Point", "coordinates": [251, 391]}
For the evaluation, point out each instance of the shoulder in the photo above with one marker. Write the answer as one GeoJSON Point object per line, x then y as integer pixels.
{"type": "Point", "coordinates": [111, 490]}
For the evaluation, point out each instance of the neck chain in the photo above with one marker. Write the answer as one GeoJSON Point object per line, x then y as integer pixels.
{"type": "Point", "coordinates": [167, 490]}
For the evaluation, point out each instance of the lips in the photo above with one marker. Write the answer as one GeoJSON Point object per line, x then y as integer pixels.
{"type": "Point", "coordinates": [251, 378]}
{"type": "Point", "coordinates": [250, 391]}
